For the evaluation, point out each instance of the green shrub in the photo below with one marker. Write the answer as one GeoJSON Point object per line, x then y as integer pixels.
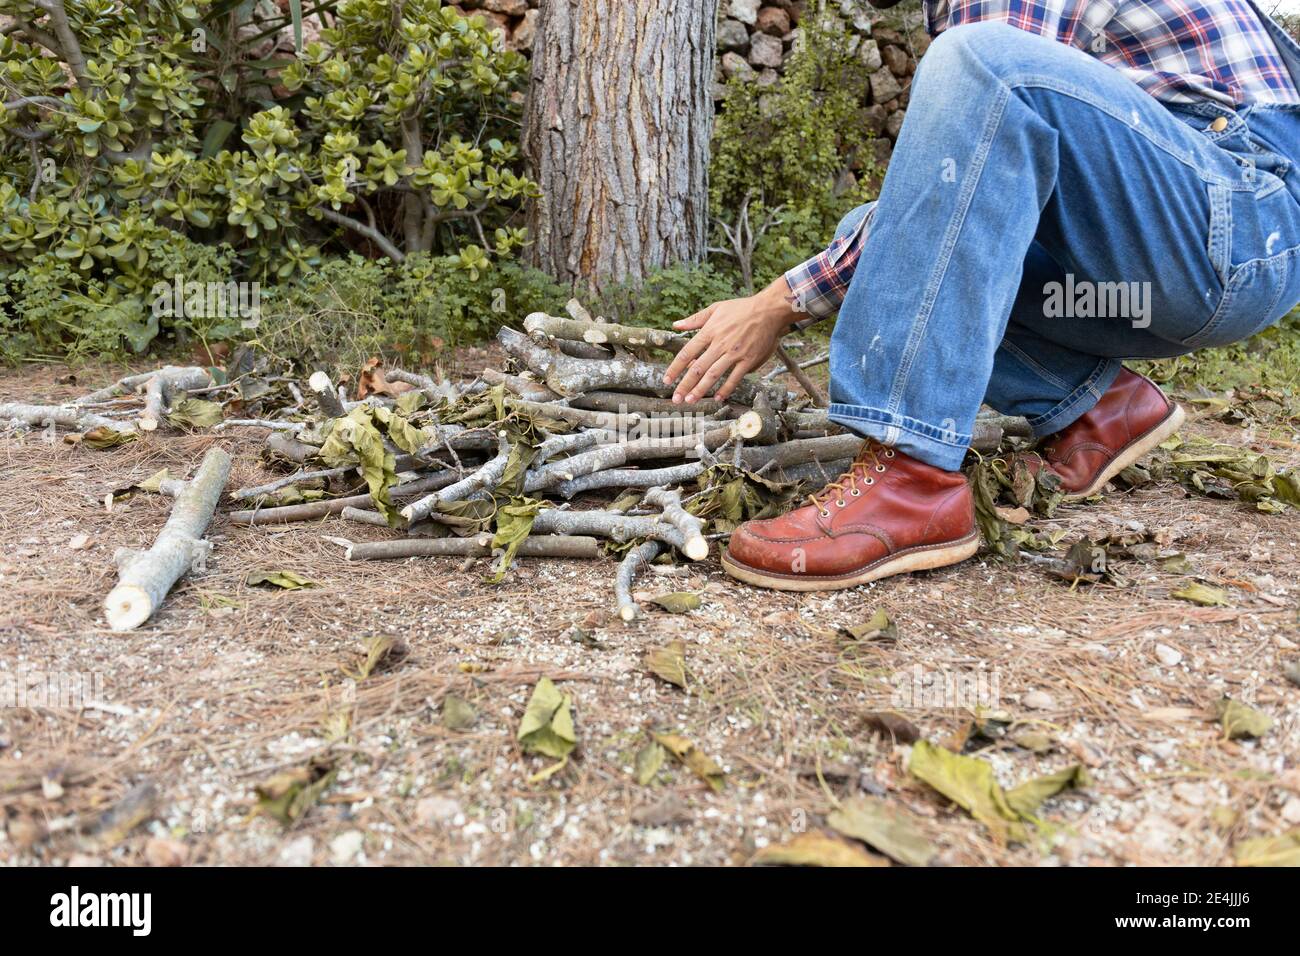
{"type": "Point", "coordinates": [408, 313]}
{"type": "Point", "coordinates": [666, 295]}
{"type": "Point", "coordinates": [397, 135]}
{"type": "Point", "coordinates": [781, 150]}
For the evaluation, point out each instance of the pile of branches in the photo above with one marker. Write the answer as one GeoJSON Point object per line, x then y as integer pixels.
{"type": "Point", "coordinates": [575, 450]}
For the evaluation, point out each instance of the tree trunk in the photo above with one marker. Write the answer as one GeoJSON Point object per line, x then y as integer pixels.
{"type": "Point", "coordinates": [617, 134]}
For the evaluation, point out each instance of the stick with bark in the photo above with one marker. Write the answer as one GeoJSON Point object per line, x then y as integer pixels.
{"type": "Point", "coordinates": [603, 401]}
{"type": "Point", "coordinates": [327, 397]}
{"type": "Point", "coordinates": [525, 388]}
{"type": "Point", "coordinates": [632, 562]}
{"type": "Point", "coordinates": [486, 478]}
{"type": "Point", "coordinates": [602, 524]}
{"type": "Point", "coordinates": [630, 478]}
{"type": "Point", "coordinates": [161, 388]}
{"type": "Point", "coordinates": [332, 506]}
{"type": "Point", "coordinates": [145, 577]}
{"type": "Point", "coordinates": [620, 453]}
{"type": "Point", "coordinates": [69, 416]}
{"type": "Point", "coordinates": [800, 376]}
{"type": "Point", "coordinates": [572, 376]}
{"type": "Point", "coordinates": [534, 546]}
{"type": "Point", "coordinates": [691, 527]}
{"type": "Point", "coordinates": [603, 333]}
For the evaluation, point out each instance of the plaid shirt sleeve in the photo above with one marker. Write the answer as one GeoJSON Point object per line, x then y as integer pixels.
{"type": "Point", "coordinates": [818, 286]}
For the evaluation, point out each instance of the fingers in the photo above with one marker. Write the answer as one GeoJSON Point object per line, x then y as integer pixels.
{"type": "Point", "coordinates": [695, 321]}
{"type": "Point", "coordinates": [698, 367]}
{"type": "Point", "coordinates": [706, 373]}
{"type": "Point", "coordinates": [690, 351]}
{"type": "Point", "coordinates": [732, 381]}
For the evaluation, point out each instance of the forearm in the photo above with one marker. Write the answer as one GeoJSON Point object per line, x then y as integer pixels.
{"type": "Point", "coordinates": [817, 287]}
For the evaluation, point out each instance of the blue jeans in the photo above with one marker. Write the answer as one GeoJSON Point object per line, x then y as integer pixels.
{"type": "Point", "coordinates": [1042, 217]}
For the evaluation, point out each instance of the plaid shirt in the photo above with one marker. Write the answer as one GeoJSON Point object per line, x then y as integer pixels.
{"type": "Point", "coordinates": [1179, 51]}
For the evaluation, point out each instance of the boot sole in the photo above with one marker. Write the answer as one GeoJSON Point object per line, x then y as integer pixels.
{"type": "Point", "coordinates": [911, 559]}
{"type": "Point", "coordinates": [1134, 451]}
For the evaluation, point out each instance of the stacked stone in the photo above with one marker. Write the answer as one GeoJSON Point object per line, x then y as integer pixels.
{"type": "Point", "coordinates": [516, 19]}
{"type": "Point", "coordinates": [757, 37]}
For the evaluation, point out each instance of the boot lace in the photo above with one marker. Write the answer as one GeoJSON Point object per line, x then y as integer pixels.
{"type": "Point", "coordinates": [868, 461]}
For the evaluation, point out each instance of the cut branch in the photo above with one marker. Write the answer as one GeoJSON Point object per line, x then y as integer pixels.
{"type": "Point", "coordinates": [146, 577]}
{"type": "Point", "coordinates": [691, 527]}
{"type": "Point", "coordinates": [534, 546]}
{"type": "Point", "coordinates": [484, 479]}
{"type": "Point", "coordinates": [602, 333]}
{"type": "Point", "coordinates": [633, 562]}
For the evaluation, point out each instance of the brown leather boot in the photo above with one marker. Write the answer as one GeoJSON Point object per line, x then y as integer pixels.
{"type": "Point", "coordinates": [888, 514]}
{"type": "Point", "coordinates": [1132, 418]}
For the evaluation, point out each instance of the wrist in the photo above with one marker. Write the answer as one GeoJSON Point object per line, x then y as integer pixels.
{"type": "Point", "coordinates": [775, 306]}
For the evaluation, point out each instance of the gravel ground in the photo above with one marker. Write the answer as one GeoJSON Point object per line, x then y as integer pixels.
{"type": "Point", "coordinates": [170, 728]}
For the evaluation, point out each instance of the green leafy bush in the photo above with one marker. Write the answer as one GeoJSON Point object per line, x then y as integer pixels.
{"type": "Point", "coordinates": [779, 153]}
{"type": "Point", "coordinates": [393, 132]}
{"type": "Point", "coordinates": [666, 295]}
{"type": "Point", "coordinates": [409, 312]}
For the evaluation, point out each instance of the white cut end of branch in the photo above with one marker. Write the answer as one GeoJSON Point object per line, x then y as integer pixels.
{"type": "Point", "coordinates": [127, 607]}
{"type": "Point", "coordinates": [747, 425]}
{"type": "Point", "coordinates": [320, 382]}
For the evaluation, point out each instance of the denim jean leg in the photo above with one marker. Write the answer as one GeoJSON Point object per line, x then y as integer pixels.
{"type": "Point", "coordinates": [1013, 139]}
{"type": "Point", "coordinates": [1048, 383]}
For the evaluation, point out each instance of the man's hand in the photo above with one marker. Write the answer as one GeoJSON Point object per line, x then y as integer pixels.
{"type": "Point", "coordinates": [735, 336]}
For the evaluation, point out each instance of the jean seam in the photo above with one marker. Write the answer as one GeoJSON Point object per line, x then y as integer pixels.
{"type": "Point", "coordinates": [1034, 367]}
{"type": "Point", "coordinates": [896, 421]}
{"type": "Point", "coordinates": [1088, 388]}
{"type": "Point", "coordinates": [1034, 80]}
{"type": "Point", "coordinates": [953, 232]}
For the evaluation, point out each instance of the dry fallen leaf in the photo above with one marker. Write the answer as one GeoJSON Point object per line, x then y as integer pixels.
{"type": "Point", "coordinates": [816, 849]}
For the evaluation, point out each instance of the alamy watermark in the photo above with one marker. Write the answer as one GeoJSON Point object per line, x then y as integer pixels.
{"type": "Point", "coordinates": [919, 689]}
{"type": "Point", "coordinates": [1073, 299]}
{"type": "Point", "coordinates": [71, 690]}
{"type": "Point", "coordinates": [208, 300]}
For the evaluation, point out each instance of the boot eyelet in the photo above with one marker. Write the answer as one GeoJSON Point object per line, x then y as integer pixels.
{"type": "Point", "coordinates": [840, 503]}
{"type": "Point", "coordinates": [856, 492]}
{"type": "Point", "coordinates": [870, 480]}
{"type": "Point", "coordinates": [825, 513]}
{"type": "Point", "coordinates": [889, 453]}
{"type": "Point", "coordinates": [880, 468]}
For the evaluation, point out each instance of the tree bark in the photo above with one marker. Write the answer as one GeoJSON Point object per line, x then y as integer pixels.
{"type": "Point", "coordinates": [617, 133]}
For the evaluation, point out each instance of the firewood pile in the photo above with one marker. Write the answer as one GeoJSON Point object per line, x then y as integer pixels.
{"type": "Point", "coordinates": [576, 451]}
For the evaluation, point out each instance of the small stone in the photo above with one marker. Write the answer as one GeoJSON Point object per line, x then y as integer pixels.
{"type": "Point", "coordinates": [732, 35]}
{"type": "Point", "coordinates": [746, 11]}
{"type": "Point", "coordinates": [298, 852]}
{"type": "Point", "coordinates": [1291, 810]}
{"type": "Point", "coordinates": [1169, 656]}
{"type": "Point", "coordinates": [873, 118]}
{"type": "Point", "coordinates": [773, 20]}
{"type": "Point", "coordinates": [734, 67]}
{"type": "Point", "coordinates": [434, 810]}
{"type": "Point", "coordinates": [164, 851]}
{"type": "Point", "coordinates": [80, 543]}
{"type": "Point", "coordinates": [345, 846]}
{"type": "Point", "coordinates": [768, 77]}
{"type": "Point", "coordinates": [888, 35]}
{"type": "Point", "coordinates": [525, 34]}
{"type": "Point", "coordinates": [894, 126]}
{"type": "Point", "coordinates": [511, 8]}
{"type": "Point", "coordinates": [895, 59]}
{"type": "Point", "coordinates": [1038, 700]}
{"type": "Point", "coordinates": [884, 86]}
{"type": "Point", "coordinates": [869, 54]}
{"type": "Point", "coordinates": [765, 50]}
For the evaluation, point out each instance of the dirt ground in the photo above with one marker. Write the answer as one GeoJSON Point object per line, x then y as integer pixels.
{"type": "Point", "coordinates": [230, 685]}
